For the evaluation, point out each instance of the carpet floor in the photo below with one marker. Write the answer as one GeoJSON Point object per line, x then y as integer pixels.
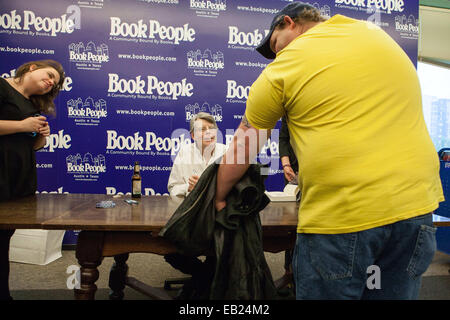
{"type": "Point", "coordinates": [49, 282]}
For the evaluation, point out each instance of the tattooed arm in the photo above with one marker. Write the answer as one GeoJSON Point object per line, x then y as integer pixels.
{"type": "Point", "coordinates": [242, 151]}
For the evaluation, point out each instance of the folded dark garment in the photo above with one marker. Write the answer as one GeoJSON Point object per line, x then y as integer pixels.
{"type": "Point", "coordinates": [233, 235]}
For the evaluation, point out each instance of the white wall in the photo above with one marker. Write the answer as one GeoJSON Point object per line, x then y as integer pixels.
{"type": "Point", "coordinates": [434, 39]}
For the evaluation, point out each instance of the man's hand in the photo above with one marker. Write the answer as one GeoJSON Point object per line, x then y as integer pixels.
{"type": "Point", "coordinates": [192, 182]}
{"type": "Point", "coordinates": [220, 204]}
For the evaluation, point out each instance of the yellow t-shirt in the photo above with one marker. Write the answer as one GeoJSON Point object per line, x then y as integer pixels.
{"type": "Point", "coordinates": [354, 109]}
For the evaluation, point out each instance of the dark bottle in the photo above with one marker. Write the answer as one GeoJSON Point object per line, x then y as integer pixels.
{"type": "Point", "coordinates": [136, 181]}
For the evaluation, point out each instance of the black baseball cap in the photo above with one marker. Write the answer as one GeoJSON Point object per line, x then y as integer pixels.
{"type": "Point", "coordinates": [292, 10]}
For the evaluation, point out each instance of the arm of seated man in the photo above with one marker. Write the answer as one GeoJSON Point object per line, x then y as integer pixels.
{"type": "Point", "coordinates": [177, 184]}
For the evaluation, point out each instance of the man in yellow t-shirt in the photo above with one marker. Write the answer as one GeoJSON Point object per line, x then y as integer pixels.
{"type": "Point", "coordinates": [369, 173]}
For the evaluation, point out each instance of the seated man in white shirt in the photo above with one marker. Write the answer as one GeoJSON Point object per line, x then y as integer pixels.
{"type": "Point", "coordinates": [189, 164]}
{"type": "Point", "coordinates": [194, 158]}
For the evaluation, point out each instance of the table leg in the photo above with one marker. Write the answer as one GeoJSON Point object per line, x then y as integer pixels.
{"type": "Point", "coordinates": [89, 255]}
{"type": "Point", "coordinates": [117, 276]}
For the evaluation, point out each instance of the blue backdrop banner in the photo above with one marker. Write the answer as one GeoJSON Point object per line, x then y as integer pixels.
{"type": "Point", "coordinates": [138, 70]}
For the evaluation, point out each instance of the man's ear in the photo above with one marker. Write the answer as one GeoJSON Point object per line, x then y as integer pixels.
{"type": "Point", "coordinates": [289, 22]}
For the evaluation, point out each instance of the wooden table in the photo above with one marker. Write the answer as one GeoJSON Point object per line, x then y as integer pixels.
{"type": "Point", "coordinates": [440, 221]}
{"type": "Point", "coordinates": [116, 232]}
{"type": "Point", "coordinates": [124, 229]}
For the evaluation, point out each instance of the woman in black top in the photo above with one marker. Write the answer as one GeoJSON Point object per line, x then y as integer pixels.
{"type": "Point", "coordinates": [287, 156]}
{"type": "Point", "coordinates": [290, 169]}
{"type": "Point", "coordinates": [23, 130]}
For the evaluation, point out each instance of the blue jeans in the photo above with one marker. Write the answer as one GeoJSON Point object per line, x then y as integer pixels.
{"type": "Point", "coordinates": [380, 263]}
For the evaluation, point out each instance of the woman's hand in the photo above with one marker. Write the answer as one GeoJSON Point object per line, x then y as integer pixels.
{"type": "Point", "coordinates": [289, 174]}
{"type": "Point", "coordinates": [41, 140]}
{"type": "Point", "coordinates": [45, 130]}
{"type": "Point", "coordinates": [33, 124]}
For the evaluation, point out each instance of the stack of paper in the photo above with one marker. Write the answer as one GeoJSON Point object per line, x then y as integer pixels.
{"type": "Point", "coordinates": [289, 193]}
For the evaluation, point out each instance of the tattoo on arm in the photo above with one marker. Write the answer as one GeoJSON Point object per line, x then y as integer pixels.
{"type": "Point", "coordinates": [245, 122]}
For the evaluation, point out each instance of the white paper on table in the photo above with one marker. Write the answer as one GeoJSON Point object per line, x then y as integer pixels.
{"type": "Point", "coordinates": [289, 193]}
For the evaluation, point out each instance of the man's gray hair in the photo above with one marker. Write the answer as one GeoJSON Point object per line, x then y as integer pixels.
{"type": "Point", "coordinates": [202, 115]}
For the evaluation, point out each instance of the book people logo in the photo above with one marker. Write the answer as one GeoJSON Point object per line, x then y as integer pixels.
{"type": "Point", "coordinates": [245, 39]}
{"type": "Point", "coordinates": [208, 8]}
{"type": "Point", "coordinates": [385, 6]}
{"type": "Point", "coordinates": [87, 113]}
{"type": "Point", "coordinates": [33, 25]}
{"type": "Point", "coordinates": [148, 87]}
{"type": "Point", "coordinates": [147, 143]}
{"type": "Point", "coordinates": [86, 168]}
{"type": "Point", "coordinates": [192, 109]}
{"type": "Point", "coordinates": [54, 141]}
{"type": "Point", "coordinates": [408, 27]}
{"type": "Point", "coordinates": [237, 93]}
{"type": "Point", "coordinates": [205, 63]}
{"type": "Point", "coordinates": [89, 56]}
{"type": "Point", "coordinates": [154, 32]}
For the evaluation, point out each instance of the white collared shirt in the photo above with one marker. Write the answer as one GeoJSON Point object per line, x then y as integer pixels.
{"type": "Point", "coordinates": [188, 162]}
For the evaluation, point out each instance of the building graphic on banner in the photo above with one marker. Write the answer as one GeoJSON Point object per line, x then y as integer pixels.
{"type": "Point", "coordinates": [325, 10]}
{"type": "Point", "coordinates": [86, 168]}
{"type": "Point", "coordinates": [192, 109]}
{"type": "Point", "coordinates": [408, 27]}
{"type": "Point", "coordinates": [206, 63]}
{"type": "Point", "coordinates": [88, 112]}
{"type": "Point", "coordinates": [89, 56]}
